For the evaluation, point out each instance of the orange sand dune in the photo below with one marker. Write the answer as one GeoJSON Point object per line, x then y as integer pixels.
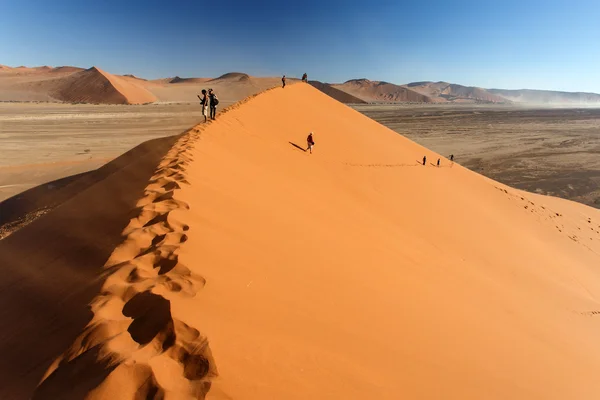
{"type": "Point", "coordinates": [72, 84]}
{"type": "Point", "coordinates": [51, 268]}
{"type": "Point", "coordinates": [375, 91]}
{"type": "Point", "coordinates": [251, 269]}
{"type": "Point", "coordinates": [456, 93]}
{"type": "Point", "coordinates": [67, 69]}
{"type": "Point", "coordinates": [96, 86]}
{"type": "Point", "coordinates": [230, 88]}
{"type": "Point", "coordinates": [232, 77]}
{"type": "Point", "coordinates": [187, 80]}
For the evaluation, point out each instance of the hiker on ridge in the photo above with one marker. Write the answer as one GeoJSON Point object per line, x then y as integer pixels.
{"type": "Point", "coordinates": [204, 104]}
{"type": "Point", "coordinates": [213, 103]}
{"type": "Point", "coordinates": [310, 142]}
{"type": "Point", "coordinates": [438, 163]}
{"type": "Point", "coordinates": [451, 157]}
{"type": "Point", "coordinates": [305, 77]}
{"type": "Point", "coordinates": [424, 159]}
{"type": "Point", "coordinates": [283, 81]}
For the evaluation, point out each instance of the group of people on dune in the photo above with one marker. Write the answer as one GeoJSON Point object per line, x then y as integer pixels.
{"type": "Point", "coordinates": [304, 79]}
{"type": "Point", "coordinates": [439, 159]}
{"type": "Point", "coordinates": [209, 100]}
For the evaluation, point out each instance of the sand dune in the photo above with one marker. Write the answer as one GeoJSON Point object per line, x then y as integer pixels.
{"type": "Point", "coordinates": [42, 84]}
{"type": "Point", "coordinates": [96, 86]}
{"type": "Point", "coordinates": [188, 80]}
{"type": "Point", "coordinates": [252, 269]}
{"type": "Point", "coordinates": [71, 84]}
{"type": "Point", "coordinates": [375, 91]}
{"type": "Point", "coordinates": [50, 268]}
{"type": "Point", "coordinates": [230, 88]}
{"type": "Point", "coordinates": [67, 69]}
{"type": "Point", "coordinates": [456, 93]}
{"type": "Point", "coordinates": [232, 77]}
{"type": "Point", "coordinates": [337, 94]}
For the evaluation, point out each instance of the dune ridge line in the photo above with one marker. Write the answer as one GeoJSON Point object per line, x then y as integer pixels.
{"type": "Point", "coordinates": [143, 274]}
{"type": "Point", "coordinates": [351, 272]}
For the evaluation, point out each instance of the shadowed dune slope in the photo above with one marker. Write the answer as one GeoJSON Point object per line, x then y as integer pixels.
{"type": "Point", "coordinates": [337, 94]}
{"type": "Point", "coordinates": [52, 268]}
{"type": "Point", "coordinates": [233, 77]}
{"type": "Point", "coordinates": [96, 86]}
{"type": "Point", "coordinates": [252, 269]}
{"type": "Point", "coordinates": [456, 93]}
{"type": "Point", "coordinates": [375, 91]}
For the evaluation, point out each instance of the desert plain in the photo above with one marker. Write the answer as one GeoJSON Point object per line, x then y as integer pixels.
{"type": "Point", "coordinates": [43, 142]}
{"type": "Point", "coordinates": [550, 150]}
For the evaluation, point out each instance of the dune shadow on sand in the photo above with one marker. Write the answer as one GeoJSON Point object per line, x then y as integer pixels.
{"type": "Point", "coordinates": [298, 147]}
{"type": "Point", "coordinates": [80, 375]}
{"type": "Point", "coordinates": [52, 267]}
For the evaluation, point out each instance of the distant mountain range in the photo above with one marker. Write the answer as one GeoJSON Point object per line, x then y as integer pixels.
{"type": "Point", "coordinates": [444, 92]}
{"type": "Point", "coordinates": [93, 85]}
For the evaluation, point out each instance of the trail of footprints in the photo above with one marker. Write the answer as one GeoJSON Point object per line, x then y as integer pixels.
{"type": "Point", "coordinates": [580, 233]}
{"type": "Point", "coordinates": [133, 328]}
{"type": "Point", "coordinates": [133, 337]}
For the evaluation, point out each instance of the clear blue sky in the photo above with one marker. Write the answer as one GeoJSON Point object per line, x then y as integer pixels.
{"type": "Point", "coordinates": [509, 44]}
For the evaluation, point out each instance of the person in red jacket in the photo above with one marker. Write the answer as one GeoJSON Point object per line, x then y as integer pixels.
{"type": "Point", "coordinates": [310, 142]}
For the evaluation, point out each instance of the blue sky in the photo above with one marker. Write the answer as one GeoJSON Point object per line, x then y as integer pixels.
{"type": "Point", "coordinates": [509, 44]}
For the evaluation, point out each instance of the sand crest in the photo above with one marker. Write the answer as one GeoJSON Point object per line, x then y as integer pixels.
{"type": "Point", "coordinates": [252, 269]}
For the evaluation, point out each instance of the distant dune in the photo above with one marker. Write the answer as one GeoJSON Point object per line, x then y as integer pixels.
{"type": "Point", "coordinates": [456, 93]}
{"type": "Point", "coordinates": [229, 87]}
{"type": "Point", "coordinates": [72, 84]}
{"type": "Point", "coordinates": [96, 86]}
{"type": "Point", "coordinates": [232, 77]}
{"type": "Point", "coordinates": [233, 264]}
{"type": "Point", "coordinates": [337, 94]}
{"type": "Point", "coordinates": [133, 77]}
{"type": "Point", "coordinates": [42, 84]}
{"type": "Point", "coordinates": [187, 80]}
{"type": "Point", "coordinates": [67, 69]}
{"type": "Point", "coordinates": [375, 91]}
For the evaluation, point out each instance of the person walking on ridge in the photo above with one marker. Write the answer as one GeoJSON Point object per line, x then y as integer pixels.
{"type": "Point", "coordinates": [438, 163]}
{"type": "Point", "coordinates": [213, 103]}
{"type": "Point", "coordinates": [283, 81]}
{"type": "Point", "coordinates": [204, 104]}
{"type": "Point", "coordinates": [310, 142]}
{"type": "Point", "coordinates": [305, 78]}
{"type": "Point", "coordinates": [424, 159]}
